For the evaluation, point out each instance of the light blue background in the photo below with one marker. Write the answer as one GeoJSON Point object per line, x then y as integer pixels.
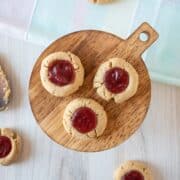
{"type": "Point", "coordinates": [53, 19]}
{"type": "Point", "coordinates": [163, 59]}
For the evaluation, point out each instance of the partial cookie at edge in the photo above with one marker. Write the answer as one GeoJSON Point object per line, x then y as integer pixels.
{"type": "Point", "coordinates": [5, 90]}
{"type": "Point", "coordinates": [16, 145]}
{"type": "Point", "coordinates": [133, 165]}
{"type": "Point", "coordinates": [100, 1]}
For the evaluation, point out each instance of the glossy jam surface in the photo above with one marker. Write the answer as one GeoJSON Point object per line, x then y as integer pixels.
{"type": "Point", "coordinates": [61, 72]}
{"type": "Point", "coordinates": [133, 175]}
{"type": "Point", "coordinates": [84, 120]}
{"type": "Point", "coordinates": [116, 80]}
{"type": "Point", "coordinates": [5, 146]}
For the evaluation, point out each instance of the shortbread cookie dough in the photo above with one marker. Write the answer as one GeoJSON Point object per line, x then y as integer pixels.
{"type": "Point", "coordinates": [116, 79]}
{"type": "Point", "coordinates": [4, 90]}
{"type": "Point", "coordinates": [10, 145]}
{"type": "Point", "coordinates": [133, 170]}
{"type": "Point", "coordinates": [84, 118]}
{"type": "Point", "coordinates": [61, 73]}
{"type": "Point", "coordinates": [100, 1]}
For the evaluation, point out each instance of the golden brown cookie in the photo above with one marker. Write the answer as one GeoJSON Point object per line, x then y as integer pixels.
{"type": "Point", "coordinates": [133, 170]}
{"type": "Point", "coordinates": [61, 73]}
{"type": "Point", "coordinates": [84, 118]}
{"type": "Point", "coordinates": [4, 90]}
{"type": "Point", "coordinates": [10, 146]}
{"type": "Point", "coordinates": [100, 1]}
{"type": "Point", "coordinates": [116, 79]}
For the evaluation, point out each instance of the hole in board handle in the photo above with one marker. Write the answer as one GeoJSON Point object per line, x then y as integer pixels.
{"type": "Point", "coordinates": [144, 36]}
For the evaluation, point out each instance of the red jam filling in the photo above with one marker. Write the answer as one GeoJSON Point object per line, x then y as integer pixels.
{"type": "Point", "coordinates": [5, 146]}
{"type": "Point", "coordinates": [116, 80]}
{"type": "Point", "coordinates": [84, 120]}
{"type": "Point", "coordinates": [133, 175]}
{"type": "Point", "coordinates": [61, 72]}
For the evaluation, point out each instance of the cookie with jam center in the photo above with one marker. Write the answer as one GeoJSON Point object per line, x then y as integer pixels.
{"type": "Point", "coordinates": [61, 73]}
{"type": "Point", "coordinates": [84, 118]}
{"type": "Point", "coordinates": [116, 79]}
{"type": "Point", "coordinates": [10, 146]}
{"type": "Point", "coordinates": [133, 170]}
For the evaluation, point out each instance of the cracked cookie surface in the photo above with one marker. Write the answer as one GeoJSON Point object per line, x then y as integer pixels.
{"type": "Point", "coordinates": [68, 84]}
{"type": "Point", "coordinates": [126, 92]}
{"type": "Point", "coordinates": [10, 146]}
{"type": "Point", "coordinates": [133, 170]}
{"type": "Point", "coordinates": [71, 111]}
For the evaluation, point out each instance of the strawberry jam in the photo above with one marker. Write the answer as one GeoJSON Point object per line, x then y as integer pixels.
{"type": "Point", "coordinates": [5, 146]}
{"type": "Point", "coordinates": [61, 72]}
{"type": "Point", "coordinates": [116, 80]}
{"type": "Point", "coordinates": [133, 175]}
{"type": "Point", "coordinates": [84, 120]}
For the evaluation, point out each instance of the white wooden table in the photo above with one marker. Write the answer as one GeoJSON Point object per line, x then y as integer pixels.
{"type": "Point", "coordinates": [156, 142]}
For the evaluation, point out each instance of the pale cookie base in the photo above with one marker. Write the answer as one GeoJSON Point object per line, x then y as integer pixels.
{"type": "Point", "coordinates": [16, 146]}
{"type": "Point", "coordinates": [133, 165]}
{"type": "Point", "coordinates": [66, 90]}
{"type": "Point", "coordinates": [4, 91]}
{"type": "Point", "coordinates": [96, 107]}
{"type": "Point", "coordinates": [104, 93]}
{"type": "Point", "coordinates": [100, 1]}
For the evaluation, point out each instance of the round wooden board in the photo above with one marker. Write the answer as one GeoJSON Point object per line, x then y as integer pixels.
{"type": "Point", "coordinates": [93, 48]}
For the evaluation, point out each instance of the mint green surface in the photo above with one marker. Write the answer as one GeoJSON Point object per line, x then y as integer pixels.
{"type": "Point", "coordinates": [163, 58]}
{"type": "Point", "coordinates": [54, 18]}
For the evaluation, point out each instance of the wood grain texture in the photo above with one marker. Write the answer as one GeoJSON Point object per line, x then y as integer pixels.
{"type": "Point", "coordinates": [156, 142]}
{"type": "Point", "coordinates": [93, 48]}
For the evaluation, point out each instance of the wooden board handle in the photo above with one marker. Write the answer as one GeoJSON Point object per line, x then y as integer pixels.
{"type": "Point", "coordinates": [136, 45]}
